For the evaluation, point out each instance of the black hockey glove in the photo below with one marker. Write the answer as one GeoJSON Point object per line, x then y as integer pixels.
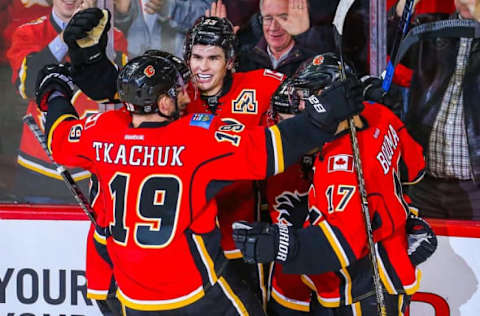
{"type": "Point", "coordinates": [373, 91]}
{"type": "Point", "coordinates": [53, 78]}
{"type": "Point", "coordinates": [86, 35]}
{"type": "Point", "coordinates": [261, 242]}
{"type": "Point", "coordinates": [338, 102]}
{"type": "Point", "coordinates": [422, 241]}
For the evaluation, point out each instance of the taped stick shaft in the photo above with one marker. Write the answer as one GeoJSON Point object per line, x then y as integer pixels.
{"type": "Point", "coordinates": [381, 307]}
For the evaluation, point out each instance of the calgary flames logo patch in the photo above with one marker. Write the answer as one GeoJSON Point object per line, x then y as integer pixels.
{"type": "Point", "coordinates": [246, 102]}
{"type": "Point", "coordinates": [291, 208]}
{"type": "Point", "coordinates": [149, 71]}
{"type": "Point", "coordinates": [318, 60]}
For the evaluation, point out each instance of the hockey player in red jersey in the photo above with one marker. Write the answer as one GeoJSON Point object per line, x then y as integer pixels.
{"type": "Point", "coordinates": [335, 230]}
{"type": "Point", "coordinates": [286, 195]}
{"type": "Point", "coordinates": [34, 45]}
{"type": "Point", "coordinates": [158, 179]}
{"type": "Point", "coordinates": [99, 271]}
{"type": "Point", "coordinates": [210, 51]}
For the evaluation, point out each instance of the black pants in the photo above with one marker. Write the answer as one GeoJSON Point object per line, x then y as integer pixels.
{"type": "Point", "coordinates": [444, 198]}
{"type": "Point", "coordinates": [226, 298]}
{"type": "Point", "coordinates": [250, 275]}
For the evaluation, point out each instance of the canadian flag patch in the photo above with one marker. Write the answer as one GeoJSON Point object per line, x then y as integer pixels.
{"type": "Point", "coordinates": [340, 162]}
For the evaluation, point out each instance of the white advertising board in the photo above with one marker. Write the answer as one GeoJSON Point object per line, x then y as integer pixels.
{"type": "Point", "coordinates": [42, 272]}
{"type": "Point", "coordinates": [42, 268]}
{"type": "Point", "coordinates": [450, 282]}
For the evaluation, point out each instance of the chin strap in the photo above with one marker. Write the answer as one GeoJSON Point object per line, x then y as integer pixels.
{"type": "Point", "coordinates": [212, 102]}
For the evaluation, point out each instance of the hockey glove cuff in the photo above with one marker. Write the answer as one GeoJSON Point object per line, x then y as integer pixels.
{"type": "Point", "coordinates": [373, 91]}
{"type": "Point", "coordinates": [50, 79]}
{"type": "Point", "coordinates": [261, 242]}
{"type": "Point", "coordinates": [337, 102]}
{"type": "Point", "coordinates": [86, 36]}
{"type": "Point", "coordinates": [422, 241]}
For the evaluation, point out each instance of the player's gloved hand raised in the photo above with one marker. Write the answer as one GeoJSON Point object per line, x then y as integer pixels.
{"type": "Point", "coordinates": [337, 102]}
{"type": "Point", "coordinates": [373, 91]}
{"type": "Point", "coordinates": [261, 242]}
{"type": "Point", "coordinates": [422, 241]}
{"type": "Point", "coordinates": [53, 78]}
{"type": "Point", "coordinates": [86, 35]}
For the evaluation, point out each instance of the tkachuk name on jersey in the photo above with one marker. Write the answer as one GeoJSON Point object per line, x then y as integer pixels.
{"type": "Point", "coordinates": [390, 143]}
{"type": "Point", "coordinates": [139, 155]}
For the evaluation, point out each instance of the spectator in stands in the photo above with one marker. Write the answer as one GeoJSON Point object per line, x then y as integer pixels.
{"type": "Point", "coordinates": [158, 24]}
{"type": "Point", "coordinates": [443, 116]}
{"type": "Point", "coordinates": [287, 38]}
{"type": "Point", "coordinates": [34, 45]}
{"type": "Point", "coordinates": [16, 12]}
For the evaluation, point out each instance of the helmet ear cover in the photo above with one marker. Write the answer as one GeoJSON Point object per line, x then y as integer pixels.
{"type": "Point", "coordinates": [213, 31]}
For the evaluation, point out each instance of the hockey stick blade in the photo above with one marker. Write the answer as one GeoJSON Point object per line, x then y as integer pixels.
{"type": "Point", "coordinates": [67, 177]}
{"type": "Point", "coordinates": [340, 14]}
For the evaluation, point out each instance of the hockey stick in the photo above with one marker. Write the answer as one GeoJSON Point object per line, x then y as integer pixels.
{"type": "Point", "coordinates": [399, 35]}
{"type": "Point", "coordinates": [338, 22]}
{"type": "Point", "coordinates": [67, 177]}
{"type": "Point", "coordinates": [445, 28]}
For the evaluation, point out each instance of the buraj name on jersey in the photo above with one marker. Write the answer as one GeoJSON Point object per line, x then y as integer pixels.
{"type": "Point", "coordinates": [390, 143]}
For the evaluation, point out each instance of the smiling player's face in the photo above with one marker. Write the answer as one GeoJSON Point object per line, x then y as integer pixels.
{"type": "Point", "coordinates": [209, 67]}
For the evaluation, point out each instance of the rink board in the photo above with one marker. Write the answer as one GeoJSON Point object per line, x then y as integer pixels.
{"type": "Point", "coordinates": [42, 266]}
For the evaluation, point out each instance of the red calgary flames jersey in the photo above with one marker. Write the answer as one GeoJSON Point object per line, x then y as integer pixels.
{"type": "Point", "coordinates": [98, 268]}
{"type": "Point", "coordinates": [248, 98]}
{"type": "Point", "coordinates": [334, 205]}
{"type": "Point", "coordinates": [98, 271]}
{"type": "Point", "coordinates": [247, 101]}
{"type": "Point", "coordinates": [163, 240]}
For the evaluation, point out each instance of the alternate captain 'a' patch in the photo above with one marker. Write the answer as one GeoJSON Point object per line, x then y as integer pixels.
{"type": "Point", "coordinates": [246, 102]}
{"type": "Point", "coordinates": [201, 120]}
{"type": "Point", "coordinates": [340, 162]}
